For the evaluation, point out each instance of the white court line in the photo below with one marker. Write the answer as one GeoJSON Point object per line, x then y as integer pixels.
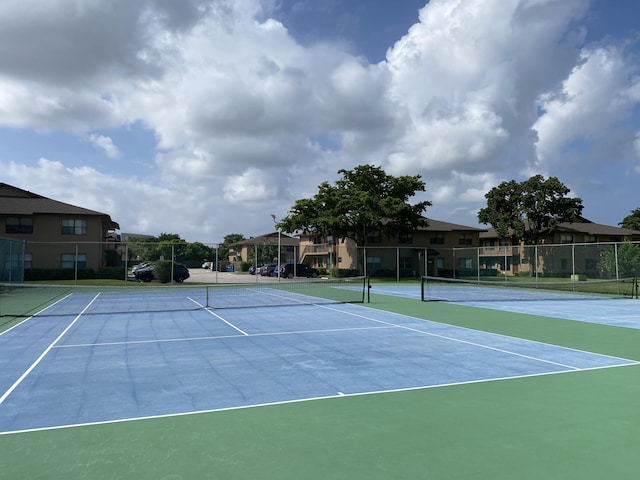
{"type": "Point", "coordinates": [219, 317]}
{"type": "Point", "coordinates": [297, 400]}
{"type": "Point", "coordinates": [467, 342]}
{"type": "Point", "coordinates": [35, 314]}
{"type": "Point", "coordinates": [227, 322]}
{"type": "Point", "coordinates": [47, 350]}
{"type": "Point", "coordinates": [218, 337]}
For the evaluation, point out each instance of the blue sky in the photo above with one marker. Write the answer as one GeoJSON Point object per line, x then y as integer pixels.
{"type": "Point", "coordinates": [204, 117]}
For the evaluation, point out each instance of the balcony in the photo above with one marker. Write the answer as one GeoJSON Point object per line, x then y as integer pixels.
{"type": "Point", "coordinates": [501, 250]}
{"type": "Point", "coordinates": [316, 250]}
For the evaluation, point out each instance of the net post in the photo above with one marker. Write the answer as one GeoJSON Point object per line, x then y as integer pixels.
{"type": "Point", "coordinates": [367, 281]}
{"type": "Point", "coordinates": [422, 280]}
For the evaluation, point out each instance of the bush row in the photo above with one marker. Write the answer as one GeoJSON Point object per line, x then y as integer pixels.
{"type": "Point", "coordinates": [42, 274]}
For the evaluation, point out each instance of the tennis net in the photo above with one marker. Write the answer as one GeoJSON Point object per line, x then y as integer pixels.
{"type": "Point", "coordinates": [464, 290]}
{"type": "Point", "coordinates": [24, 300]}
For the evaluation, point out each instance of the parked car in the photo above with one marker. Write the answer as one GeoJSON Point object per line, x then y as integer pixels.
{"type": "Point", "coordinates": [268, 270]}
{"type": "Point", "coordinates": [180, 273]}
{"type": "Point", "coordinates": [253, 270]}
{"type": "Point", "coordinates": [145, 274]}
{"type": "Point", "coordinates": [139, 266]}
{"type": "Point", "coordinates": [300, 270]}
{"type": "Point", "coordinates": [208, 265]}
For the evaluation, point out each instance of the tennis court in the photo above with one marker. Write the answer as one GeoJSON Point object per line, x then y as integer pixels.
{"type": "Point", "coordinates": [621, 311]}
{"type": "Point", "coordinates": [299, 372]}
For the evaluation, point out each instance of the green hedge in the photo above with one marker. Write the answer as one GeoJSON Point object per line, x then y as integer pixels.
{"type": "Point", "coordinates": [43, 274]}
{"type": "Point", "coordinates": [344, 272]}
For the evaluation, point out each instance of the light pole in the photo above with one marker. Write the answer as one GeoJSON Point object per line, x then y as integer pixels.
{"type": "Point", "coordinates": [278, 266]}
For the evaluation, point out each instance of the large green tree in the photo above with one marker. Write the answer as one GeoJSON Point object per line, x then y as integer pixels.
{"type": "Point", "coordinates": [364, 202]}
{"type": "Point", "coordinates": [632, 221]}
{"type": "Point", "coordinates": [166, 244]}
{"type": "Point", "coordinates": [529, 209]}
{"type": "Point", "coordinates": [227, 241]}
{"type": "Point", "coordinates": [623, 261]}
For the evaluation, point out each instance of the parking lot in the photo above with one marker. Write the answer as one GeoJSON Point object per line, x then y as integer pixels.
{"type": "Point", "coordinates": [202, 275]}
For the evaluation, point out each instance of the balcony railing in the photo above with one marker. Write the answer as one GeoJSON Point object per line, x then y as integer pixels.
{"type": "Point", "coordinates": [316, 248]}
{"type": "Point", "coordinates": [498, 250]}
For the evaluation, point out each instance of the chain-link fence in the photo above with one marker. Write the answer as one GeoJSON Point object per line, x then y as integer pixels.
{"type": "Point", "coordinates": [40, 260]}
{"type": "Point", "coordinates": [11, 260]}
{"type": "Point", "coordinates": [117, 259]}
{"type": "Point", "coordinates": [571, 261]}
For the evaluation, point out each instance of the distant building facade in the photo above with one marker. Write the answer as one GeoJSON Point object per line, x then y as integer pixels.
{"type": "Point", "coordinates": [572, 247]}
{"type": "Point", "coordinates": [57, 234]}
{"type": "Point", "coordinates": [419, 253]}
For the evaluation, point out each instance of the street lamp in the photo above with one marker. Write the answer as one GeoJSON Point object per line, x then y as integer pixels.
{"type": "Point", "coordinates": [274, 221]}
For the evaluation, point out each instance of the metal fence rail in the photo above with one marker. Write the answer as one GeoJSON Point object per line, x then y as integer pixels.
{"type": "Point", "coordinates": [571, 261]}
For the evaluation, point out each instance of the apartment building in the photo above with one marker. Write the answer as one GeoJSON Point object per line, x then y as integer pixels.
{"type": "Point", "coordinates": [56, 234]}
{"type": "Point", "coordinates": [572, 247]}
{"type": "Point", "coordinates": [425, 251]}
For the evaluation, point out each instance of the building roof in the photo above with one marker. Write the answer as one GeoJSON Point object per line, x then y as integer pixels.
{"type": "Point", "coordinates": [440, 226]}
{"type": "Point", "coordinates": [581, 225]}
{"type": "Point", "coordinates": [269, 239]}
{"type": "Point", "coordinates": [16, 201]}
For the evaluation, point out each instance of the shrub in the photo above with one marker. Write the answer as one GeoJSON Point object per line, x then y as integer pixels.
{"type": "Point", "coordinates": [162, 271]}
{"type": "Point", "coordinates": [43, 274]}
{"type": "Point", "coordinates": [115, 273]}
{"type": "Point", "coordinates": [344, 272]}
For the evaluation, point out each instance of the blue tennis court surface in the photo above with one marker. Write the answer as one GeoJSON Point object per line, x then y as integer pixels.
{"type": "Point", "coordinates": [618, 312]}
{"type": "Point", "coordinates": [60, 371]}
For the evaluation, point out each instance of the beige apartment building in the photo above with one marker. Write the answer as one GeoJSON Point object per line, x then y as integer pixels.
{"type": "Point", "coordinates": [56, 234]}
{"type": "Point", "coordinates": [264, 249]}
{"type": "Point", "coordinates": [425, 251]}
{"type": "Point", "coordinates": [572, 249]}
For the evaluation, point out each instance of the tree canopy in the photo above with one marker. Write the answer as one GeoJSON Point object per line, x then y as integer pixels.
{"type": "Point", "coordinates": [623, 261]}
{"type": "Point", "coordinates": [167, 244]}
{"type": "Point", "coordinates": [365, 201]}
{"type": "Point", "coordinates": [632, 221]}
{"type": "Point", "coordinates": [530, 208]}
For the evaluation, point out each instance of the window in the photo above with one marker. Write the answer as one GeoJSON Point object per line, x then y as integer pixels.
{"type": "Point", "coordinates": [406, 262]}
{"type": "Point", "coordinates": [465, 239]}
{"type": "Point", "coordinates": [437, 239]}
{"type": "Point", "coordinates": [68, 260]}
{"type": "Point", "coordinates": [374, 264]}
{"type": "Point", "coordinates": [16, 261]}
{"type": "Point", "coordinates": [74, 226]}
{"type": "Point", "coordinates": [405, 239]}
{"type": "Point", "coordinates": [564, 238]}
{"type": "Point", "coordinates": [465, 263]}
{"type": "Point", "coordinates": [590, 239]}
{"type": "Point", "coordinates": [19, 225]}
{"type": "Point", "coordinates": [374, 237]}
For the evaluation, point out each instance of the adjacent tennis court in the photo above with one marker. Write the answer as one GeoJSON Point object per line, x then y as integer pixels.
{"type": "Point", "coordinates": [568, 302]}
{"type": "Point", "coordinates": [250, 374]}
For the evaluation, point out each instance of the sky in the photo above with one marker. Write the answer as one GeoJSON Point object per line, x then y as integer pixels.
{"type": "Point", "coordinates": [206, 117]}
